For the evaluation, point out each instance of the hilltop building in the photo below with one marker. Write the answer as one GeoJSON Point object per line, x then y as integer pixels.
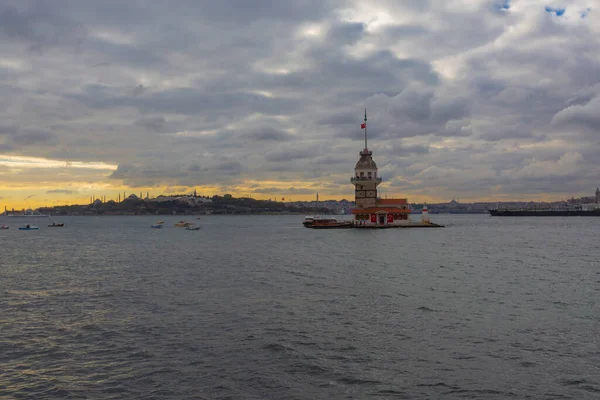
{"type": "Point", "coordinates": [372, 211]}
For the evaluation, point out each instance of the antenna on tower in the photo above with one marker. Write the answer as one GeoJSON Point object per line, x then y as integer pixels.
{"type": "Point", "coordinates": [366, 129]}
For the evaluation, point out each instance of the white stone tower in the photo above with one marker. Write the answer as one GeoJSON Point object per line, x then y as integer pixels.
{"type": "Point", "coordinates": [365, 178]}
{"type": "Point", "coordinates": [425, 214]}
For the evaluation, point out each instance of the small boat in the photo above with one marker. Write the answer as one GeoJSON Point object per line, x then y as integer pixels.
{"type": "Point", "coordinates": [156, 226]}
{"type": "Point", "coordinates": [160, 222]}
{"type": "Point", "coordinates": [55, 225]}
{"type": "Point", "coordinates": [182, 224]}
{"type": "Point", "coordinates": [28, 228]}
{"type": "Point", "coordinates": [192, 228]}
{"type": "Point", "coordinates": [4, 227]}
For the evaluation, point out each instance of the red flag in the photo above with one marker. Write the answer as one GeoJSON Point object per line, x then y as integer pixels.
{"type": "Point", "coordinates": [363, 126]}
{"type": "Point", "coordinates": [390, 218]}
{"type": "Point", "coordinates": [283, 198]}
{"type": "Point", "coordinates": [373, 218]}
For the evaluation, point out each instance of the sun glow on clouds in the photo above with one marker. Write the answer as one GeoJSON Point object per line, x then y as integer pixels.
{"type": "Point", "coordinates": [114, 37]}
{"type": "Point", "coordinates": [13, 64]}
{"type": "Point", "coordinates": [21, 162]}
{"type": "Point", "coordinates": [374, 18]}
{"type": "Point", "coordinates": [312, 31]}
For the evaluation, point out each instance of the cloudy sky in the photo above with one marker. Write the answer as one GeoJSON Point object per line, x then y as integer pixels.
{"type": "Point", "coordinates": [482, 100]}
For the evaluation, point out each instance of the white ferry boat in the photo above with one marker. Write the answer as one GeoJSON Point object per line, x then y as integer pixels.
{"type": "Point", "coordinates": [27, 213]}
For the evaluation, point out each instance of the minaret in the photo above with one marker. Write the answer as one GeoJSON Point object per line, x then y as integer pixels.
{"type": "Point", "coordinates": [365, 178]}
{"type": "Point", "coordinates": [598, 195]}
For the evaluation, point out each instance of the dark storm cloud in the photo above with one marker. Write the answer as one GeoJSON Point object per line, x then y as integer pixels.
{"type": "Point", "coordinates": [179, 174]}
{"type": "Point", "coordinates": [184, 101]}
{"type": "Point", "coordinates": [156, 124]}
{"type": "Point", "coordinates": [291, 153]}
{"type": "Point", "coordinates": [459, 94]}
{"type": "Point", "coordinates": [31, 137]}
{"type": "Point", "coordinates": [38, 26]}
{"type": "Point", "coordinates": [9, 130]}
{"type": "Point", "coordinates": [268, 134]}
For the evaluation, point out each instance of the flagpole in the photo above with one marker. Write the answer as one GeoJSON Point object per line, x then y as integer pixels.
{"type": "Point", "coordinates": [366, 128]}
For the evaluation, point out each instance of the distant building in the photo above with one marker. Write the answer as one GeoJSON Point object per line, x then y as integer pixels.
{"type": "Point", "coordinates": [598, 195]}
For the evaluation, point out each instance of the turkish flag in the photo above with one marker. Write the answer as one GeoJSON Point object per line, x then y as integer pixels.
{"type": "Point", "coordinates": [373, 218]}
{"type": "Point", "coordinates": [363, 126]}
{"type": "Point", "coordinates": [390, 218]}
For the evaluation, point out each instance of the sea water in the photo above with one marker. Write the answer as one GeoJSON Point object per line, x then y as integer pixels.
{"type": "Point", "coordinates": [259, 307]}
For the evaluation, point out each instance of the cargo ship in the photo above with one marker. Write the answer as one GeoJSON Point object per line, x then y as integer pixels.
{"type": "Point", "coordinates": [548, 212]}
{"type": "Point", "coordinates": [591, 209]}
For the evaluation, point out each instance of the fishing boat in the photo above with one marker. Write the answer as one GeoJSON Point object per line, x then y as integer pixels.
{"type": "Point", "coordinates": [28, 228]}
{"type": "Point", "coordinates": [55, 225]}
{"type": "Point", "coordinates": [192, 227]}
{"type": "Point", "coordinates": [4, 227]}
{"type": "Point", "coordinates": [183, 224]}
{"type": "Point", "coordinates": [156, 226]}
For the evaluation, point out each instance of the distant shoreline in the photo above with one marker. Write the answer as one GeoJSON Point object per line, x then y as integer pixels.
{"type": "Point", "coordinates": [159, 215]}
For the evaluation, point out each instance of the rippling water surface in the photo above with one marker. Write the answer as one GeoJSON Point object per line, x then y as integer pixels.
{"type": "Point", "coordinates": [261, 308]}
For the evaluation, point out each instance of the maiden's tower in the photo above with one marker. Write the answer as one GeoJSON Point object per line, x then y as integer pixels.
{"type": "Point", "coordinates": [371, 211]}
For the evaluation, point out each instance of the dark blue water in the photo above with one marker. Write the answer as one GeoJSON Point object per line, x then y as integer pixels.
{"type": "Point", "coordinates": [262, 308]}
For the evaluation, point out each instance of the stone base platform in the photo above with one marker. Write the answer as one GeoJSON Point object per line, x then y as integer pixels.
{"type": "Point", "coordinates": [409, 225]}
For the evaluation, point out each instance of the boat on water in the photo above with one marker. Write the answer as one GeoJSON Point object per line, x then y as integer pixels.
{"type": "Point", "coordinates": [55, 225]}
{"type": "Point", "coordinates": [591, 209]}
{"type": "Point", "coordinates": [27, 213]}
{"type": "Point", "coordinates": [156, 226]}
{"type": "Point", "coordinates": [4, 227]}
{"type": "Point", "coordinates": [191, 227]}
{"type": "Point", "coordinates": [547, 212]}
{"type": "Point", "coordinates": [309, 221]}
{"type": "Point", "coordinates": [329, 223]}
{"type": "Point", "coordinates": [28, 228]}
{"type": "Point", "coordinates": [183, 224]}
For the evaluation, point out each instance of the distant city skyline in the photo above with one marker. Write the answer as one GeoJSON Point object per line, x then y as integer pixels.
{"type": "Point", "coordinates": [478, 100]}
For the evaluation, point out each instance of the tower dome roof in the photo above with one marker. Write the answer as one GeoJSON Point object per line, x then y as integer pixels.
{"type": "Point", "coordinates": [366, 161]}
